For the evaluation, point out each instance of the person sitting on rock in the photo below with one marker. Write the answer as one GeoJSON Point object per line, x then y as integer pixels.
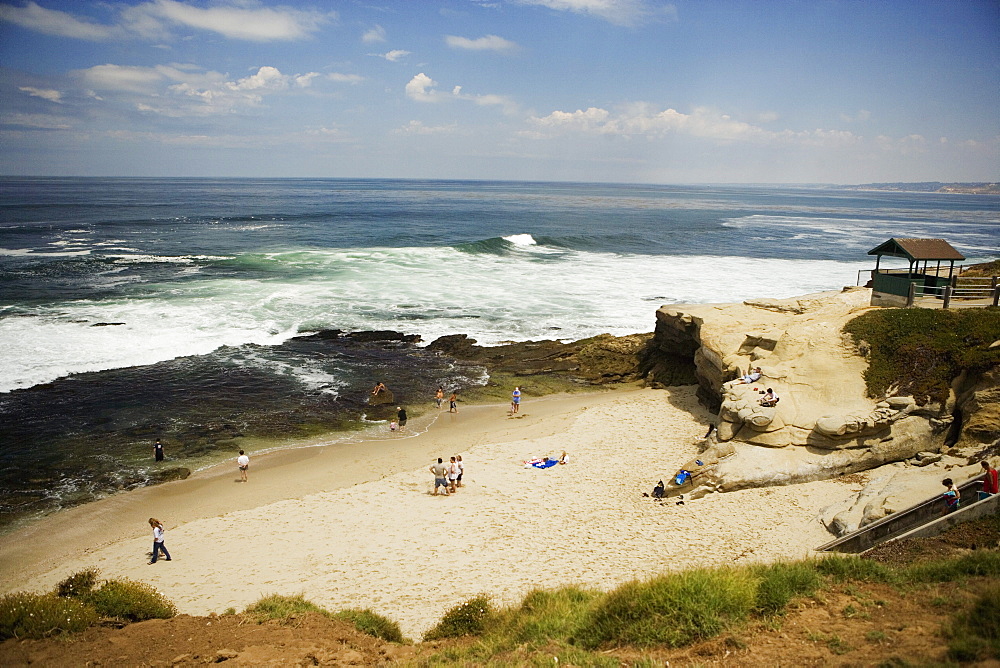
{"type": "Point", "coordinates": [770, 399]}
{"type": "Point", "coordinates": [751, 377]}
{"type": "Point", "coordinates": [378, 388]}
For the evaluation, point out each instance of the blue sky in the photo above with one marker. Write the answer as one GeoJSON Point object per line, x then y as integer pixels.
{"type": "Point", "coordinates": [811, 91]}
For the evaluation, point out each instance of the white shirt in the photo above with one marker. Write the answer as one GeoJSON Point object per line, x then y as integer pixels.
{"type": "Point", "coordinates": [158, 534]}
{"type": "Point", "coordinates": [243, 460]}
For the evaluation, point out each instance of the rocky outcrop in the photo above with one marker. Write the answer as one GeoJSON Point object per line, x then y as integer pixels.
{"type": "Point", "coordinates": [600, 359]}
{"type": "Point", "coordinates": [977, 405]}
{"type": "Point", "coordinates": [824, 425]}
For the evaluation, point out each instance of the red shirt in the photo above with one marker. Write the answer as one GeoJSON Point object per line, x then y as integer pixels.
{"type": "Point", "coordinates": [990, 483]}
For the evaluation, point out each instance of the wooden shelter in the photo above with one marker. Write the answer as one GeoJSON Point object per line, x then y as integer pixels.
{"type": "Point", "coordinates": [889, 285]}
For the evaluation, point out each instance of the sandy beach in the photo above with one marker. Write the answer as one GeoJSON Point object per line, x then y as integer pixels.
{"type": "Point", "coordinates": [355, 525]}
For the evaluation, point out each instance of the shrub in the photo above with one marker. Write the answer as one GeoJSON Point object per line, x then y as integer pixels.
{"type": "Point", "coordinates": [130, 600]}
{"type": "Point", "coordinates": [372, 623]}
{"type": "Point", "coordinates": [672, 610]}
{"type": "Point", "coordinates": [781, 582]}
{"type": "Point", "coordinates": [79, 584]}
{"type": "Point", "coordinates": [465, 619]}
{"type": "Point", "coordinates": [24, 615]}
{"type": "Point", "coordinates": [556, 614]}
{"type": "Point", "coordinates": [920, 351]}
{"type": "Point", "coordinates": [277, 606]}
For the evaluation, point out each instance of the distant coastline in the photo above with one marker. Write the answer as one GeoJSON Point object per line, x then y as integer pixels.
{"type": "Point", "coordinates": [981, 188]}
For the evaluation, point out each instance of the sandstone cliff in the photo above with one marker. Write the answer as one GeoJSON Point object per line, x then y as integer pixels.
{"type": "Point", "coordinates": [823, 425]}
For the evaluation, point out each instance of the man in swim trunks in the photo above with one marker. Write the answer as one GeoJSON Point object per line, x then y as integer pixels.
{"type": "Point", "coordinates": [440, 471]}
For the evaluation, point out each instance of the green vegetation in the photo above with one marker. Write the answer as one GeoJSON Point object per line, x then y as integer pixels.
{"type": "Point", "coordinates": [285, 608]}
{"type": "Point", "coordinates": [918, 352]}
{"type": "Point", "coordinates": [465, 619]}
{"type": "Point", "coordinates": [372, 624]}
{"type": "Point", "coordinates": [672, 610]}
{"type": "Point", "coordinates": [577, 626]}
{"type": "Point", "coordinates": [78, 584]}
{"type": "Point", "coordinates": [782, 582]}
{"type": "Point", "coordinates": [75, 604]}
{"type": "Point", "coordinates": [24, 615]}
{"type": "Point", "coordinates": [975, 635]}
{"type": "Point", "coordinates": [281, 608]}
{"type": "Point", "coordinates": [130, 600]}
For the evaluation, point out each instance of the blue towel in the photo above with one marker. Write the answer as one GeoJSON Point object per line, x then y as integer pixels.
{"type": "Point", "coordinates": [545, 465]}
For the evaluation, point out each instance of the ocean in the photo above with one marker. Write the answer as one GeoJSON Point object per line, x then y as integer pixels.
{"type": "Point", "coordinates": [181, 309]}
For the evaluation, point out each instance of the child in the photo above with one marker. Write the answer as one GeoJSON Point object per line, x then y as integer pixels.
{"type": "Point", "coordinates": [393, 426]}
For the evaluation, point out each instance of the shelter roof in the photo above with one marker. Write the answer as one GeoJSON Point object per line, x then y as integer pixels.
{"type": "Point", "coordinates": [918, 249]}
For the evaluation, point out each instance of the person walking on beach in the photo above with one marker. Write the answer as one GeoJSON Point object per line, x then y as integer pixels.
{"type": "Point", "coordinates": [158, 540]}
{"type": "Point", "coordinates": [453, 403]}
{"type": "Point", "coordinates": [244, 463]}
{"type": "Point", "coordinates": [401, 416]}
{"type": "Point", "coordinates": [440, 471]}
{"type": "Point", "coordinates": [158, 451]}
{"type": "Point", "coordinates": [515, 400]}
{"type": "Point", "coordinates": [439, 397]}
{"type": "Point", "coordinates": [461, 471]}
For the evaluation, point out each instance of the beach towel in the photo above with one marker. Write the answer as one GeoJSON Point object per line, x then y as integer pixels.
{"type": "Point", "coordinates": [540, 463]}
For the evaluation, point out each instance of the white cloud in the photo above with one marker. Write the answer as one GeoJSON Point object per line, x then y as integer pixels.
{"type": "Point", "coordinates": [702, 122]}
{"type": "Point", "coordinates": [420, 88]}
{"type": "Point", "coordinates": [619, 12]}
{"type": "Point", "coordinates": [418, 128]}
{"type": "Point", "coordinates": [373, 36]}
{"type": "Point", "coordinates": [345, 78]}
{"type": "Point", "coordinates": [45, 94]}
{"type": "Point", "coordinates": [39, 121]}
{"type": "Point", "coordinates": [486, 43]}
{"type": "Point", "coordinates": [182, 90]}
{"type": "Point", "coordinates": [236, 20]}
{"type": "Point", "coordinates": [266, 78]}
{"type": "Point", "coordinates": [121, 78]}
{"type": "Point", "coordinates": [153, 20]}
{"type": "Point", "coordinates": [54, 22]}
{"type": "Point", "coordinates": [394, 55]}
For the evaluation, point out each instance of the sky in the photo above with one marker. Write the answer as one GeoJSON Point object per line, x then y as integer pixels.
{"type": "Point", "coordinates": [641, 91]}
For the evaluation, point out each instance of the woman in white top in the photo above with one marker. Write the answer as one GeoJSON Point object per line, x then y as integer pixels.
{"type": "Point", "coordinates": [453, 471]}
{"type": "Point", "coordinates": [158, 540]}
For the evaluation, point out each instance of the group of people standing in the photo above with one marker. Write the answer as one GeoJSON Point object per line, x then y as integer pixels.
{"type": "Point", "coordinates": [448, 475]}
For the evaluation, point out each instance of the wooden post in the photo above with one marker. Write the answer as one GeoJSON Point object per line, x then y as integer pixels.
{"type": "Point", "coordinates": [947, 296]}
{"type": "Point", "coordinates": [996, 295]}
{"type": "Point", "coordinates": [910, 294]}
